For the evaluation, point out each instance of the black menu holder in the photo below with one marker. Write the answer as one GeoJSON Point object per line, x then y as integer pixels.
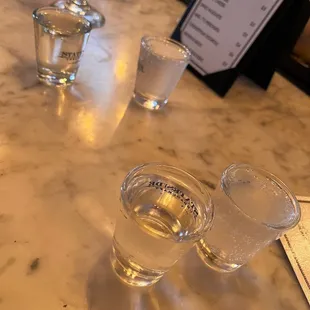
{"type": "Point", "coordinates": [296, 72]}
{"type": "Point", "coordinates": [260, 60]}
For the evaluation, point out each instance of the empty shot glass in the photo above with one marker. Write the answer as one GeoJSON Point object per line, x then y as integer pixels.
{"type": "Point", "coordinates": [164, 211]}
{"type": "Point", "coordinates": [252, 209]}
{"type": "Point", "coordinates": [160, 67]}
{"type": "Point", "coordinates": [60, 38]}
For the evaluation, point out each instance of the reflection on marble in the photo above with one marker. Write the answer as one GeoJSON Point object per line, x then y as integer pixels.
{"type": "Point", "coordinates": [63, 155]}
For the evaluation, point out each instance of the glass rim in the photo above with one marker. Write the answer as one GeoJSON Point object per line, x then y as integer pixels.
{"type": "Point", "coordinates": [208, 206]}
{"type": "Point", "coordinates": [279, 183]}
{"type": "Point", "coordinates": [64, 12]}
{"type": "Point", "coordinates": [146, 39]}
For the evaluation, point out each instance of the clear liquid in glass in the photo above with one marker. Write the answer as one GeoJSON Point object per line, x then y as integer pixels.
{"type": "Point", "coordinates": [149, 240]}
{"type": "Point", "coordinates": [249, 215]}
{"type": "Point", "coordinates": [60, 41]}
{"type": "Point", "coordinates": [160, 66]}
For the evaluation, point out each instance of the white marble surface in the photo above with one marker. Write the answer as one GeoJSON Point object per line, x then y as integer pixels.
{"type": "Point", "coordinates": [63, 156]}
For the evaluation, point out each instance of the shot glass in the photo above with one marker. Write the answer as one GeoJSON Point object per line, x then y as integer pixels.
{"type": "Point", "coordinates": [60, 39]}
{"type": "Point", "coordinates": [252, 209]}
{"type": "Point", "coordinates": [164, 211]}
{"type": "Point", "coordinates": [160, 67]}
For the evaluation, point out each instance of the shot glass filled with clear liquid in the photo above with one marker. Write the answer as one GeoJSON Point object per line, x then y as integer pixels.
{"type": "Point", "coordinates": [252, 209]}
{"type": "Point", "coordinates": [60, 38]}
{"type": "Point", "coordinates": [160, 66]}
{"type": "Point", "coordinates": [164, 211]}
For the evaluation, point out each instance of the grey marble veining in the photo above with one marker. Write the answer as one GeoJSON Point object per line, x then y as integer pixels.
{"type": "Point", "coordinates": [63, 155]}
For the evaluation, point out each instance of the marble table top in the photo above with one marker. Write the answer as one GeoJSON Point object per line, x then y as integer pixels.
{"type": "Point", "coordinates": [64, 154]}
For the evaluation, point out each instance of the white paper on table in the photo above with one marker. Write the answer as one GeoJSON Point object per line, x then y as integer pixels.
{"type": "Point", "coordinates": [220, 32]}
{"type": "Point", "coordinates": [296, 243]}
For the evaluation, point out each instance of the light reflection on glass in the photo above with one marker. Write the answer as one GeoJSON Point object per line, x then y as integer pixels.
{"type": "Point", "coordinates": [120, 112]}
{"type": "Point", "coordinates": [61, 102]}
{"type": "Point", "coordinates": [96, 127]}
{"type": "Point", "coordinates": [154, 301]}
{"type": "Point", "coordinates": [121, 66]}
{"type": "Point", "coordinates": [86, 123]}
{"type": "Point", "coordinates": [4, 147]}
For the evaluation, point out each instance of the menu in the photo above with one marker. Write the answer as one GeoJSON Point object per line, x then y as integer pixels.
{"type": "Point", "coordinates": [296, 243]}
{"type": "Point", "coordinates": [220, 32]}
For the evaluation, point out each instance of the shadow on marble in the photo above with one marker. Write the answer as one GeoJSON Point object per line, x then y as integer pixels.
{"type": "Point", "coordinates": [62, 103]}
{"type": "Point", "coordinates": [74, 112]}
{"type": "Point", "coordinates": [56, 96]}
{"type": "Point", "coordinates": [136, 114]}
{"type": "Point", "coordinates": [189, 285]}
{"type": "Point", "coordinates": [26, 73]}
{"type": "Point", "coordinates": [105, 291]}
{"type": "Point", "coordinates": [213, 286]}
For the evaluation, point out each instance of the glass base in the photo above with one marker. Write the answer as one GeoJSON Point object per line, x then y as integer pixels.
{"type": "Point", "coordinates": [131, 273]}
{"type": "Point", "coordinates": [213, 261]}
{"type": "Point", "coordinates": [96, 19]}
{"type": "Point", "coordinates": [51, 78]}
{"type": "Point", "coordinates": [150, 104]}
